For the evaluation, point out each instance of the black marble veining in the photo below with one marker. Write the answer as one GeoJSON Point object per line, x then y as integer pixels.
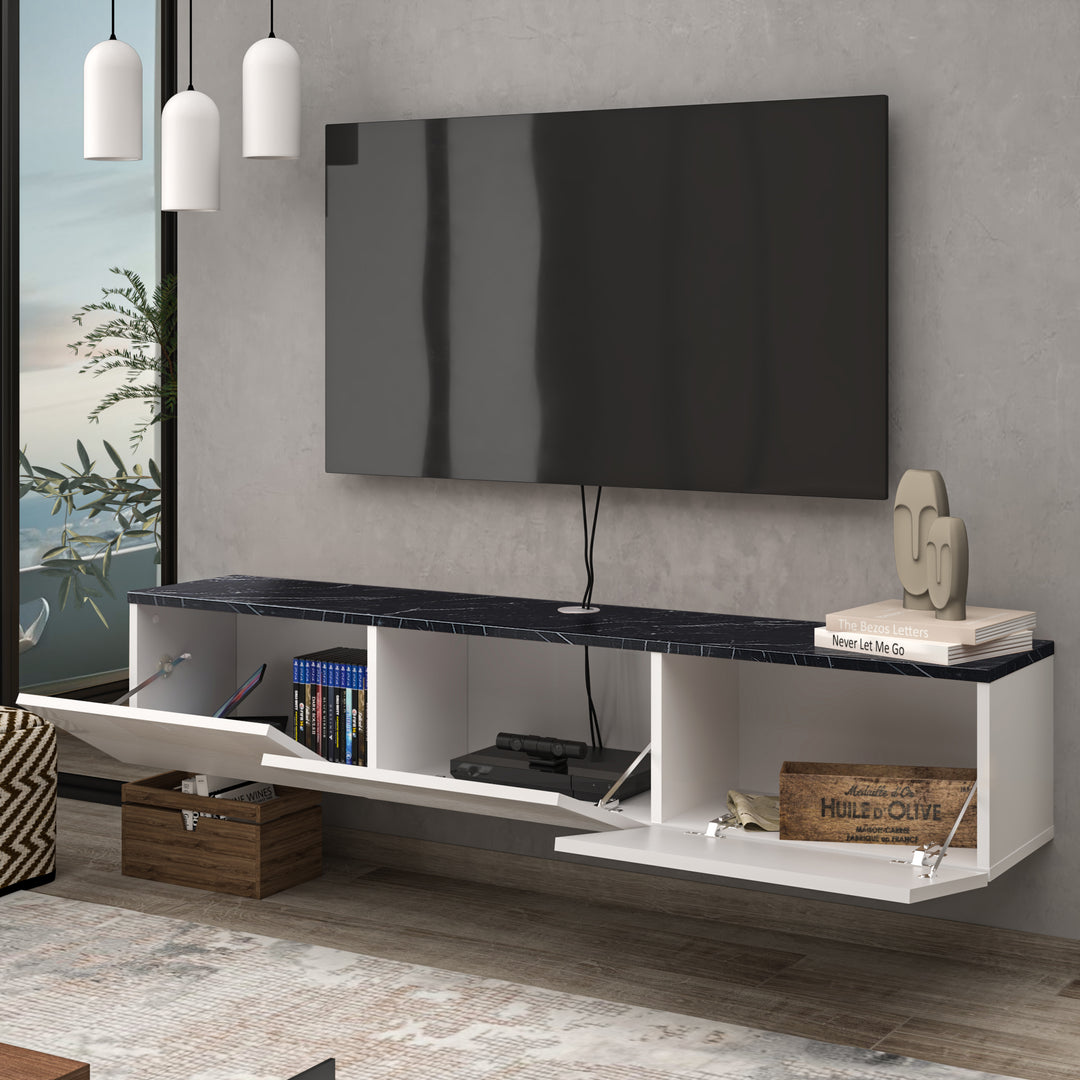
{"type": "Point", "coordinates": [692, 633]}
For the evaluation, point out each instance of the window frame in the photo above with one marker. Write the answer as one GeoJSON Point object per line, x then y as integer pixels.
{"type": "Point", "coordinates": [166, 73]}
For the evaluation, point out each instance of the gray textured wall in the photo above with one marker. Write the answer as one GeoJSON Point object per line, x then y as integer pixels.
{"type": "Point", "coordinates": [985, 330]}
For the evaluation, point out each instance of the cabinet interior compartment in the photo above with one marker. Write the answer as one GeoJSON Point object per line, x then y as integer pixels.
{"type": "Point", "coordinates": [438, 696]}
{"type": "Point", "coordinates": [225, 649]}
{"type": "Point", "coordinates": [732, 724]}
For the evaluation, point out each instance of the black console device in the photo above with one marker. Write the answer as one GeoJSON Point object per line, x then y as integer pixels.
{"type": "Point", "coordinates": [538, 748]}
{"type": "Point", "coordinates": [563, 765]}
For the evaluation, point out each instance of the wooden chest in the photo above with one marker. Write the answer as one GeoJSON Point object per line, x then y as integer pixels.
{"type": "Point", "coordinates": [254, 850]}
{"type": "Point", "coordinates": [875, 804]}
{"type": "Point", "coordinates": [17, 1063]}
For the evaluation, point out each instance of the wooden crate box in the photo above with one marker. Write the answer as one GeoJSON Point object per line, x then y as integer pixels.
{"type": "Point", "coordinates": [259, 849]}
{"type": "Point", "coordinates": [875, 804]}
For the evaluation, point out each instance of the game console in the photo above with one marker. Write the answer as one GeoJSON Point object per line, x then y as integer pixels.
{"type": "Point", "coordinates": [546, 764]}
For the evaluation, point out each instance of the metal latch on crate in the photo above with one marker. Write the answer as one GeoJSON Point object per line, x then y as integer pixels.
{"type": "Point", "coordinates": [930, 855]}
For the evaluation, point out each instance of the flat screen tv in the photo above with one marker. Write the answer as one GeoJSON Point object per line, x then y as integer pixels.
{"type": "Point", "coordinates": [690, 297]}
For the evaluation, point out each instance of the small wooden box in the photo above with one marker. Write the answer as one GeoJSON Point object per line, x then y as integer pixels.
{"type": "Point", "coordinates": [259, 849]}
{"type": "Point", "coordinates": [17, 1063]}
{"type": "Point", "coordinates": [875, 804]}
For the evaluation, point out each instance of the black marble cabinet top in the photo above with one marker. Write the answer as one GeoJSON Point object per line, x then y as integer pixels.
{"type": "Point", "coordinates": [692, 633]}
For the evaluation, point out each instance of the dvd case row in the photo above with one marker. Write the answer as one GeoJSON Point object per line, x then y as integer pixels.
{"type": "Point", "coordinates": [330, 704]}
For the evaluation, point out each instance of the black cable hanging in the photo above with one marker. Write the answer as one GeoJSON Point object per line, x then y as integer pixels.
{"type": "Point", "coordinates": [112, 36]}
{"type": "Point", "coordinates": [271, 34]}
{"type": "Point", "coordinates": [586, 602]}
{"type": "Point", "coordinates": [190, 36]}
{"type": "Point", "coordinates": [590, 543]}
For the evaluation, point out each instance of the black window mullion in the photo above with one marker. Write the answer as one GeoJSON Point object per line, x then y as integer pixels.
{"type": "Point", "coordinates": [9, 352]}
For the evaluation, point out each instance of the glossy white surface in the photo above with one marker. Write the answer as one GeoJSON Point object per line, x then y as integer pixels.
{"type": "Point", "coordinates": [443, 793]}
{"type": "Point", "coordinates": [112, 103]}
{"type": "Point", "coordinates": [166, 741]}
{"type": "Point", "coordinates": [271, 112]}
{"type": "Point", "coordinates": [190, 153]}
{"type": "Point", "coordinates": [766, 858]}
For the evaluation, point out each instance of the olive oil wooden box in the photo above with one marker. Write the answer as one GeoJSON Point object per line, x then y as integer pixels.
{"type": "Point", "coordinates": [875, 804]}
{"type": "Point", "coordinates": [258, 849]}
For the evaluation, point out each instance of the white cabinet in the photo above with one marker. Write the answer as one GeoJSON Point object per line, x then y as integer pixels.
{"type": "Point", "coordinates": [731, 724]}
{"type": "Point", "coordinates": [449, 671]}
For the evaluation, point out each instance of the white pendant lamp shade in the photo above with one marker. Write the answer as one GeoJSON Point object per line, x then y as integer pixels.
{"type": "Point", "coordinates": [190, 153]}
{"type": "Point", "coordinates": [112, 103]}
{"type": "Point", "coordinates": [271, 100]}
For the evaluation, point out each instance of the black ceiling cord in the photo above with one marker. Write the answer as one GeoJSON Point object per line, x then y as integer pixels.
{"type": "Point", "coordinates": [271, 34]}
{"type": "Point", "coordinates": [190, 35]}
{"type": "Point", "coordinates": [112, 36]}
{"type": "Point", "coordinates": [586, 601]}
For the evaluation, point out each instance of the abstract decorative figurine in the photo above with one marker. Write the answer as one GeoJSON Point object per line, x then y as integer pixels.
{"type": "Point", "coordinates": [920, 500]}
{"type": "Point", "coordinates": [947, 550]}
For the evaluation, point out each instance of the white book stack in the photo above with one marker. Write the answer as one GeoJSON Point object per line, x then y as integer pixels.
{"type": "Point", "coordinates": [889, 631]}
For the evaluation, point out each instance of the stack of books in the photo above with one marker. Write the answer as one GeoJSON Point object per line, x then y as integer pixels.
{"type": "Point", "coordinates": [330, 704]}
{"type": "Point", "coordinates": [890, 631]}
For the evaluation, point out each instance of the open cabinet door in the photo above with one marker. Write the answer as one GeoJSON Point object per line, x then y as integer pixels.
{"type": "Point", "coordinates": [165, 740]}
{"type": "Point", "coordinates": [445, 793]}
{"type": "Point", "coordinates": [881, 874]}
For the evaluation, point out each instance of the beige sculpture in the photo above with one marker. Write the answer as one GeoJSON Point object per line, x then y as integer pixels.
{"type": "Point", "coordinates": [947, 549]}
{"type": "Point", "coordinates": [931, 548]}
{"type": "Point", "coordinates": [920, 500]}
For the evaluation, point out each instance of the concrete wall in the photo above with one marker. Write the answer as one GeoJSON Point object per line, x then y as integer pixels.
{"type": "Point", "coordinates": [985, 326]}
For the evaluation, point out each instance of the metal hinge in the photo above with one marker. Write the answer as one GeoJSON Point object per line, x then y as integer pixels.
{"type": "Point", "coordinates": [609, 802]}
{"type": "Point", "coordinates": [930, 855]}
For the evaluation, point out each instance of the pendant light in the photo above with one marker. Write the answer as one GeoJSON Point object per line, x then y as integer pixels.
{"type": "Point", "coordinates": [112, 101]}
{"type": "Point", "coordinates": [190, 147]}
{"type": "Point", "coordinates": [271, 98]}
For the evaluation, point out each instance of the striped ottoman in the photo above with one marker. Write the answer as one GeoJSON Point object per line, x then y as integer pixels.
{"type": "Point", "coordinates": [27, 800]}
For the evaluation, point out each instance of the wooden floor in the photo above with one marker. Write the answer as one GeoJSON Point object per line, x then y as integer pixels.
{"type": "Point", "coordinates": [999, 1001]}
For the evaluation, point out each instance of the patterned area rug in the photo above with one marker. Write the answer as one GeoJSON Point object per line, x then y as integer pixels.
{"type": "Point", "coordinates": [142, 996]}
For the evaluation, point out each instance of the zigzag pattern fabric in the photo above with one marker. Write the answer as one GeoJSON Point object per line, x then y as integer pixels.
{"type": "Point", "coordinates": [27, 797]}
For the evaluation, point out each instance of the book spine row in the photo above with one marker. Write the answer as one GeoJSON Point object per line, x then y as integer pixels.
{"type": "Point", "coordinates": [329, 708]}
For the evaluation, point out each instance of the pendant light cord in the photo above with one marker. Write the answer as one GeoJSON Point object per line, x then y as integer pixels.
{"type": "Point", "coordinates": [190, 35]}
{"type": "Point", "coordinates": [112, 36]}
{"type": "Point", "coordinates": [271, 18]}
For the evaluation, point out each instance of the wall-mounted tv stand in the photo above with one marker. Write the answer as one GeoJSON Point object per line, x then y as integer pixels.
{"type": "Point", "coordinates": [723, 699]}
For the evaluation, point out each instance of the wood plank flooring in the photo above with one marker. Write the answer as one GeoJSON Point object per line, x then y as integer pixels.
{"type": "Point", "coordinates": [1000, 1001]}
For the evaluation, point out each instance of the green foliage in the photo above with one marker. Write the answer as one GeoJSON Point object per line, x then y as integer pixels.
{"type": "Point", "coordinates": [138, 337]}
{"type": "Point", "coordinates": [130, 498]}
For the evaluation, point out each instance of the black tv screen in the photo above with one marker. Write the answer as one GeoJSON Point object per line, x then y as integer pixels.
{"type": "Point", "coordinates": [690, 297]}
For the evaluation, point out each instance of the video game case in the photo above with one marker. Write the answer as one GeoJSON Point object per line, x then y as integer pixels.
{"type": "Point", "coordinates": [363, 715]}
{"type": "Point", "coordinates": [325, 711]}
{"type": "Point", "coordinates": [349, 706]}
{"type": "Point", "coordinates": [309, 706]}
{"type": "Point", "coordinates": [298, 697]}
{"type": "Point", "coordinates": [337, 676]}
{"type": "Point", "coordinates": [311, 700]}
{"type": "Point", "coordinates": [323, 726]}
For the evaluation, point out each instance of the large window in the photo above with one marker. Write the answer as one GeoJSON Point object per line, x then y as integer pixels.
{"type": "Point", "coordinates": [78, 220]}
